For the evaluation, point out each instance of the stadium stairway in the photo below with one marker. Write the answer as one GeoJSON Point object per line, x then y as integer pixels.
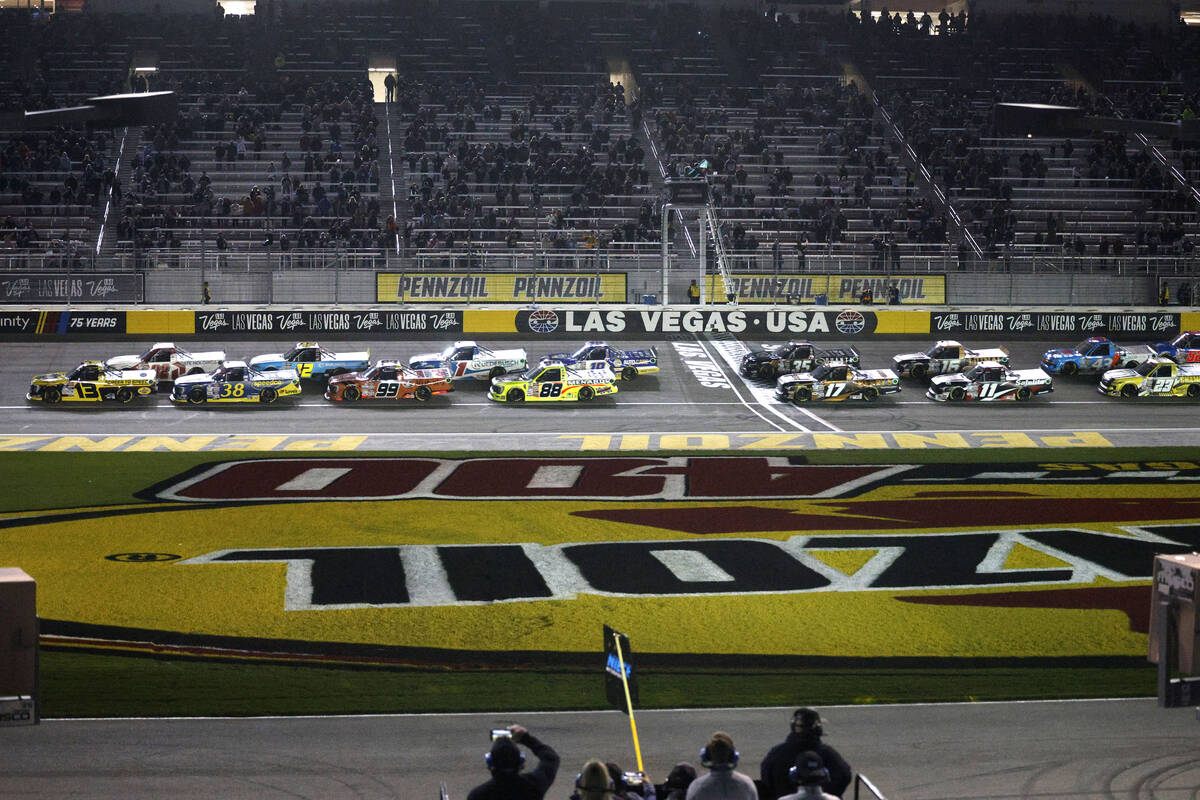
{"type": "Point", "coordinates": [125, 143]}
{"type": "Point", "coordinates": [393, 197]}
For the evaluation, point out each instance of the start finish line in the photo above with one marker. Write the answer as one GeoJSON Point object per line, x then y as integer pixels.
{"type": "Point", "coordinates": [575, 442]}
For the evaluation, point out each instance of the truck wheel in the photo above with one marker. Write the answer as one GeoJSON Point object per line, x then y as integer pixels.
{"type": "Point", "coordinates": [514, 396]}
{"type": "Point", "coordinates": [802, 396]}
{"type": "Point", "coordinates": [124, 394]}
{"type": "Point", "coordinates": [586, 393]}
{"type": "Point", "coordinates": [957, 393]}
{"type": "Point", "coordinates": [870, 394]}
{"type": "Point", "coordinates": [496, 372]}
{"type": "Point", "coordinates": [629, 373]}
{"type": "Point", "coordinates": [267, 396]}
{"type": "Point", "coordinates": [1024, 393]}
{"type": "Point", "coordinates": [196, 396]}
{"type": "Point", "coordinates": [423, 393]}
{"type": "Point", "coordinates": [1069, 368]}
{"type": "Point", "coordinates": [1193, 390]}
{"type": "Point", "coordinates": [1129, 390]}
{"type": "Point", "coordinates": [351, 393]}
{"type": "Point", "coordinates": [51, 395]}
{"type": "Point", "coordinates": [1130, 364]}
{"type": "Point", "coordinates": [767, 372]}
{"type": "Point", "coordinates": [194, 371]}
{"type": "Point", "coordinates": [920, 370]}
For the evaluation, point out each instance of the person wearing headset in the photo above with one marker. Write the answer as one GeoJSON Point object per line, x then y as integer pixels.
{"type": "Point", "coordinates": [807, 776]}
{"type": "Point", "coordinates": [594, 782]}
{"type": "Point", "coordinates": [723, 781]}
{"type": "Point", "coordinates": [806, 731]}
{"type": "Point", "coordinates": [505, 760]}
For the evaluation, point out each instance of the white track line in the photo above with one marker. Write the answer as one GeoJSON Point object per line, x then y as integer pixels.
{"type": "Point", "coordinates": [749, 406]}
{"type": "Point", "coordinates": [732, 350]}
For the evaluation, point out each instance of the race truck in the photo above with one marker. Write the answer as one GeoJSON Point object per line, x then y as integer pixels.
{"type": "Point", "coordinates": [628, 364]}
{"type": "Point", "coordinates": [836, 382]}
{"type": "Point", "coordinates": [467, 359]}
{"type": "Point", "coordinates": [1093, 356]}
{"type": "Point", "coordinates": [554, 381]}
{"type": "Point", "coordinates": [388, 380]}
{"type": "Point", "coordinates": [1184, 348]}
{"type": "Point", "coordinates": [92, 382]}
{"type": "Point", "coordinates": [169, 361]}
{"type": "Point", "coordinates": [945, 357]}
{"type": "Point", "coordinates": [310, 360]}
{"type": "Point", "coordinates": [989, 381]}
{"type": "Point", "coordinates": [1158, 377]}
{"type": "Point", "coordinates": [794, 356]}
{"type": "Point", "coordinates": [236, 382]}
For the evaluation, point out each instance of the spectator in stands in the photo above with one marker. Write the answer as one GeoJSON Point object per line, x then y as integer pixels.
{"type": "Point", "coordinates": [808, 774]}
{"type": "Point", "coordinates": [678, 780]}
{"type": "Point", "coordinates": [1184, 293]}
{"type": "Point", "coordinates": [894, 294]}
{"type": "Point", "coordinates": [807, 728]}
{"type": "Point", "coordinates": [694, 294]}
{"type": "Point", "coordinates": [723, 781]}
{"type": "Point", "coordinates": [389, 84]}
{"type": "Point", "coordinates": [627, 786]}
{"type": "Point", "coordinates": [593, 782]}
{"type": "Point", "coordinates": [504, 761]}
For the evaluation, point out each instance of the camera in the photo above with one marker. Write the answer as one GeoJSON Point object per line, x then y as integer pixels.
{"type": "Point", "coordinates": [634, 780]}
{"type": "Point", "coordinates": [501, 733]}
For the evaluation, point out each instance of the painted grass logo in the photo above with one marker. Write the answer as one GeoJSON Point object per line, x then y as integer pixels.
{"type": "Point", "coordinates": [334, 578]}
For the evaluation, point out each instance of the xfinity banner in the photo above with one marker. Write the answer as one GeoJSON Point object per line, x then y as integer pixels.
{"type": "Point", "coordinates": [342, 322]}
{"type": "Point", "coordinates": [37, 323]}
{"type": "Point", "coordinates": [1039, 324]}
{"type": "Point", "coordinates": [51, 287]}
{"type": "Point", "coordinates": [457, 287]}
{"type": "Point", "coordinates": [837, 289]}
{"type": "Point", "coordinates": [811, 324]}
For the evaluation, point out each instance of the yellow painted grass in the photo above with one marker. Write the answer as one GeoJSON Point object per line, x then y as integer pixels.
{"type": "Point", "coordinates": [75, 582]}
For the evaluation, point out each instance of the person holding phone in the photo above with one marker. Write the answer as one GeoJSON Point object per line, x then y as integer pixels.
{"type": "Point", "coordinates": [505, 760]}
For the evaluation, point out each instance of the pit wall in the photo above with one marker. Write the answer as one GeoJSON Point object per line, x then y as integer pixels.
{"type": "Point", "coordinates": [593, 322]}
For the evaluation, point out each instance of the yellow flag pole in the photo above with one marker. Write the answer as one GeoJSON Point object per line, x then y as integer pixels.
{"type": "Point", "coordinates": [637, 749]}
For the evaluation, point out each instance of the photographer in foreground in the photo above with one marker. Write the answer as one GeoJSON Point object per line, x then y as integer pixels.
{"type": "Point", "coordinates": [505, 760]}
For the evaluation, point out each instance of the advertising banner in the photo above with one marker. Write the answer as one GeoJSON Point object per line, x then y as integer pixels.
{"type": "Point", "coordinates": [27, 323]}
{"type": "Point", "coordinates": [341, 322]}
{"type": "Point", "coordinates": [838, 289]}
{"type": "Point", "coordinates": [53, 287]}
{"type": "Point", "coordinates": [1153, 326]}
{"type": "Point", "coordinates": [810, 323]}
{"type": "Point", "coordinates": [457, 287]}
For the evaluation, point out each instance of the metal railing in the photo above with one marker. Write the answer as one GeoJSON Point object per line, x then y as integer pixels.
{"type": "Point", "coordinates": [863, 784]}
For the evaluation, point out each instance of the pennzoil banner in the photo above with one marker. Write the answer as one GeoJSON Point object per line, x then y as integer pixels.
{"type": "Point", "coordinates": [792, 289]}
{"type": "Point", "coordinates": [458, 287]}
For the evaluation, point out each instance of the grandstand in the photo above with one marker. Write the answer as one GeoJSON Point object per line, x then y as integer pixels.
{"type": "Point", "coordinates": [832, 144]}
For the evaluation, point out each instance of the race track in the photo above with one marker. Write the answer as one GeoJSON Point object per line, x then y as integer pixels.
{"type": "Point", "coordinates": [697, 401]}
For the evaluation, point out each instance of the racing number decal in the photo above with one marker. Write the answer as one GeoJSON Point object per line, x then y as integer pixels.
{"type": "Point", "coordinates": [388, 389]}
{"type": "Point", "coordinates": [1156, 385]}
{"type": "Point", "coordinates": [550, 389]}
{"type": "Point", "coordinates": [1192, 355]}
{"type": "Point", "coordinates": [233, 389]}
{"type": "Point", "coordinates": [834, 389]}
{"type": "Point", "coordinates": [461, 370]}
{"type": "Point", "coordinates": [305, 370]}
{"type": "Point", "coordinates": [88, 391]}
{"type": "Point", "coordinates": [988, 391]}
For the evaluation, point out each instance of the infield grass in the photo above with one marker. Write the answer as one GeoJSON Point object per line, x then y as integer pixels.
{"type": "Point", "coordinates": [93, 685]}
{"type": "Point", "coordinates": [81, 683]}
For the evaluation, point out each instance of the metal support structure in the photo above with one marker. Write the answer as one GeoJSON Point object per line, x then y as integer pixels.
{"type": "Point", "coordinates": [666, 250]}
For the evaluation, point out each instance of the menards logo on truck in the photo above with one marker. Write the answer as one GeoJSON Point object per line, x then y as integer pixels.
{"type": "Point", "coordinates": [945, 357]}
{"type": "Point", "coordinates": [1158, 377]}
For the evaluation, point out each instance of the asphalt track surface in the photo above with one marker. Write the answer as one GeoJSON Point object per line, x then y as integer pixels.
{"type": "Point", "coordinates": [697, 393]}
{"type": "Point", "coordinates": [1091, 750]}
